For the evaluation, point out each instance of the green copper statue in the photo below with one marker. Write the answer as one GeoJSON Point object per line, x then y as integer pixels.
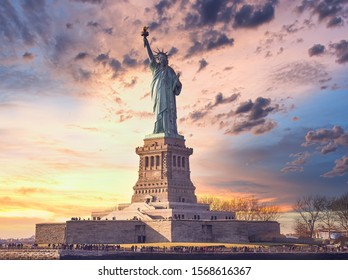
{"type": "Point", "coordinates": [165, 86]}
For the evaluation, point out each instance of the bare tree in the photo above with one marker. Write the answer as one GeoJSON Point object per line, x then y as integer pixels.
{"type": "Point", "coordinates": [246, 208]}
{"type": "Point", "coordinates": [328, 215]}
{"type": "Point", "coordinates": [341, 209]}
{"type": "Point", "coordinates": [269, 213]}
{"type": "Point", "coordinates": [301, 228]}
{"type": "Point", "coordinates": [309, 209]}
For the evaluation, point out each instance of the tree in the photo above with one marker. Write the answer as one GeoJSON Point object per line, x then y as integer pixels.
{"type": "Point", "coordinates": [328, 214]}
{"type": "Point", "coordinates": [309, 209]}
{"type": "Point", "coordinates": [245, 208]}
{"type": "Point", "coordinates": [301, 228]}
{"type": "Point", "coordinates": [269, 213]}
{"type": "Point", "coordinates": [340, 207]}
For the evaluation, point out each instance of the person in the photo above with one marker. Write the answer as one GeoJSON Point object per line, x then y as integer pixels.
{"type": "Point", "coordinates": [165, 86]}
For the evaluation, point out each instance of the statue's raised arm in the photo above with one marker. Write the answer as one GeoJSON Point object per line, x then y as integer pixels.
{"type": "Point", "coordinates": [145, 33]}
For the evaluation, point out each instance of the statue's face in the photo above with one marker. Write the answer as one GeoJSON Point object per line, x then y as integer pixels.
{"type": "Point", "coordinates": [163, 60]}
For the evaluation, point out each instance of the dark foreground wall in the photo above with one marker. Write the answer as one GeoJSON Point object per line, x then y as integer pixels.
{"type": "Point", "coordinates": [121, 232]}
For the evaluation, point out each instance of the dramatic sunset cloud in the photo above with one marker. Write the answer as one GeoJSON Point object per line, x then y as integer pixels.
{"type": "Point", "coordinates": [263, 103]}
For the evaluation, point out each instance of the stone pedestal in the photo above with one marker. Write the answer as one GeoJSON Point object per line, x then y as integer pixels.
{"type": "Point", "coordinates": [164, 171]}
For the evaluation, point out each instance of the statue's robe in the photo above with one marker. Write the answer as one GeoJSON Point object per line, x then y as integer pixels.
{"type": "Point", "coordinates": [164, 87]}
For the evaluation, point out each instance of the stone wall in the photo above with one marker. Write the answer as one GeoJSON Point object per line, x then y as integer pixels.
{"type": "Point", "coordinates": [99, 232]}
{"type": "Point", "coordinates": [122, 232]}
{"type": "Point", "coordinates": [222, 231]}
{"type": "Point", "coordinates": [29, 254]}
{"type": "Point", "coordinates": [116, 232]}
{"type": "Point", "coordinates": [158, 231]}
{"type": "Point", "coordinates": [52, 233]}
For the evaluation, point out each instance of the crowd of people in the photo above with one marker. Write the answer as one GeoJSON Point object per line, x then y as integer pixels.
{"type": "Point", "coordinates": [187, 249]}
{"type": "Point", "coordinates": [196, 249]}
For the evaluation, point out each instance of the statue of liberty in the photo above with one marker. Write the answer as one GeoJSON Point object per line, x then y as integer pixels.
{"type": "Point", "coordinates": [165, 86]}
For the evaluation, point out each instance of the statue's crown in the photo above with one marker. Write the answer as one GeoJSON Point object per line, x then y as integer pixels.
{"type": "Point", "coordinates": [161, 52]}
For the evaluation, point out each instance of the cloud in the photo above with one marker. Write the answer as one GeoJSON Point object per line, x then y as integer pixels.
{"type": "Point", "coordinates": [340, 50]}
{"type": "Point", "coordinates": [244, 107]}
{"type": "Point", "coordinates": [162, 6]}
{"type": "Point", "coordinates": [299, 72]}
{"type": "Point", "coordinates": [128, 61]}
{"type": "Point", "coordinates": [28, 56]}
{"type": "Point", "coordinates": [327, 139]}
{"type": "Point", "coordinates": [146, 95]}
{"type": "Point", "coordinates": [292, 169]}
{"type": "Point", "coordinates": [154, 25]}
{"type": "Point", "coordinates": [218, 41]}
{"type": "Point", "coordinates": [13, 79]}
{"type": "Point", "coordinates": [295, 165]}
{"type": "Point", "coordinates": [251, 116]}
{"type": "Point", "coordinates": [26, 22]}
{"type": "Point", "coordinates": [267, 126]}
{"type": "Point", "coordinates": [209, 12]}
{"type": "Point", "coordinates": [257, 127]}
{"type": "Point", "coordinates": [335, 21]}
{"type": "Point", "coordinates": [317, 49]}
{"type": "Point", "coordinates": [131, 83]}
{"type": "Point", "coordinates": [301, 158]}
{"type": "Point", "coordinates": [26, 191]}
{"type": "Point", "coordinates": [197, 115]}
{"type": "Point", "coordinates": [60, 46]}
{"type": "Point", "coordinates": [250, 16]}
{"type": "Point", "coordinates": [202, 112]}
{"type": "Point", "coordinates": [210, 40]}
{"type": "Point", "coordinates": [96, 26]}
{"type": "Point", "coordinates": [328, 148]}
{"type": "Point", "coordinates": [103, 58]}
{"type": "Point", "coordinates": [172, 51]}
{"type": "Point", "coordinates": [292, 28]}
{"type": "Point", "coordinates": [340, 169]}
{"type": "Point", "coordinates": [93, 24]}
{"type": "Point", "coordinates": [81, 75]}
{"type": "Point", "coordinates": [326, 10]}
{"type": "Point", "coordinates": [125, 115]}
{"type": "Point", "coordinates": [260, 108]}
{"type": "Point", "coordinates": [202, 64]}
{"type": "Point", "coordinates": [220, 99]}
{"type": "Point", "coordinates": [95, 2]}
{"type": "Point", "coordinates": [81, 55]}
{"type": "Point", "coordinates": [248, 116]}
{"type": "Point", "coordinates": [38, 18]}
{"type": "Point", "coordinates": [115, 66]}
{"type": "Point", "coordinates": [108, 30]}
{"type": "Point", "coordinates": [92, 129]}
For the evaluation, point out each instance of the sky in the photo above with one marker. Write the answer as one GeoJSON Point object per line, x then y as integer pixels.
{"type": "Point", "coordinates": [263, 105]}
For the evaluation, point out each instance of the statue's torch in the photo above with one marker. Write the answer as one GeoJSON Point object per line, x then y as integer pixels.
{"type": "Point", "coordinates": [145, 33]}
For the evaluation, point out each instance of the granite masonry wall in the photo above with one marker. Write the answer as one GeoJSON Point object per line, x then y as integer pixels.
{"type": "Point", "coordinates": [223, 231]}
{"type": "Point", "coordinates": [52, 233]}
{"type": "Point", "coordinates": [121, 232]}
{"type": "Point", "coordinates": [116, 232]}
{"type": "Point", "coordinates": [29, 254]}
